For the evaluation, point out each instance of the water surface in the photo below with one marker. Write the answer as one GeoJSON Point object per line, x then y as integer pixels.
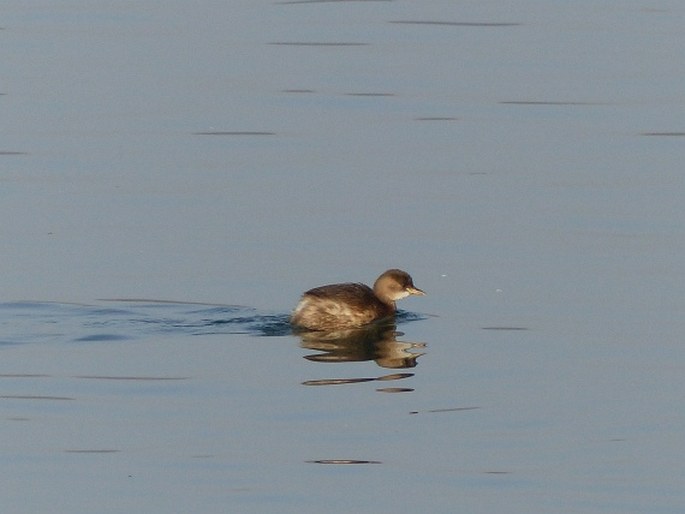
{"type": "Point", "coordinates": [524, 165]}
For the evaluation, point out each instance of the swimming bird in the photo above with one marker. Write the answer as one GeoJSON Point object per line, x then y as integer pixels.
{"type": "Point", "coordinates": [353, 305]}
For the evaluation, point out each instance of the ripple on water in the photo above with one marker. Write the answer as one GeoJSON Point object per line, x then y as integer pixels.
{"type": "Point", "coordinates": [128, 319]}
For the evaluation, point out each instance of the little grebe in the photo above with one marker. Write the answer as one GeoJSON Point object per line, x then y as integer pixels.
{"type": "Point", "coordinates": [339, 306]}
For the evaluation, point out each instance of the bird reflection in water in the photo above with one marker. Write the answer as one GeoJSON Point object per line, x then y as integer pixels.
{"type": "Point", "coordinates": [374, 343]}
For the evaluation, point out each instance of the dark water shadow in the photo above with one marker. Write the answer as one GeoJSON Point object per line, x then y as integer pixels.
{"type": "Point", "coordinates": [455, 23]}
{"type": "Point", "coordinates": [448, 409]}
{"type": "Point", "coordinates": [293, 2]}
{"type": "Point", "coordinates": [235, 133]}
{"type": "Point", "coordinates": [298, 91]}
{"type": "Point", "coordinates": [342, 461]}
{"type": "Point", "coordinates": [370, 94]}
{"type": "Point", "coordinates": [318, 43]}
{"type": "Point", "coordinates": [96, 451]}
{"type": "Point", "coordinates": [504, 328]}
{"type": "Point", "coordinates": [34, 397]}
{"type": "Point", "coordinates": [548, 102]}
{"type": "Point", "coordinates": [436, 118]}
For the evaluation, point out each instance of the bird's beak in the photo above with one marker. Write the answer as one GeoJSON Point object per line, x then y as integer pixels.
{"type": "Point", "coordinates": [415, 291]}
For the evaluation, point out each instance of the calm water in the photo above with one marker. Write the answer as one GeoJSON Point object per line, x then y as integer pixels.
{"type": "Point", "coordinates": [523, 164]}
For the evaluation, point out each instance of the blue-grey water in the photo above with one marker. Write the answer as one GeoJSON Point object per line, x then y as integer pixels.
{"type": "Point", "coordinates": [174, 174]}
